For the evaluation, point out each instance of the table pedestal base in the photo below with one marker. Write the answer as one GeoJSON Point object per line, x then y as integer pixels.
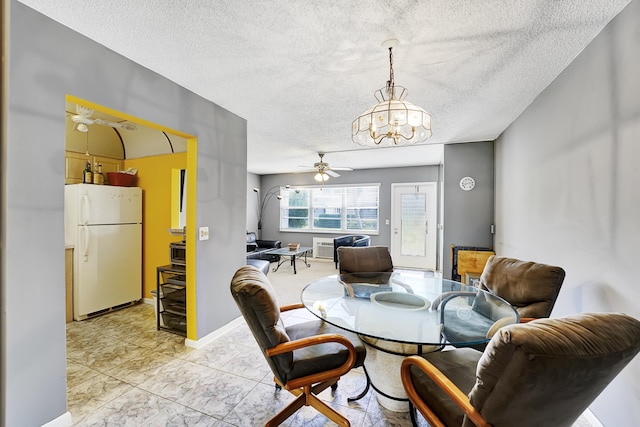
{"type": "Point", "coordinates": [383, 367]}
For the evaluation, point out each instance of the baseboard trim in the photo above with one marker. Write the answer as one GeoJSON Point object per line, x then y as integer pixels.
{"type": "Point", "coordinates": [207, 339]}
{"type": "Point", "coordinates": [63, 420]}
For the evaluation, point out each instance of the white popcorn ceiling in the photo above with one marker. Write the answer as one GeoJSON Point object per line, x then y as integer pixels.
{"type": "Point", "coordinates": [301, 71]}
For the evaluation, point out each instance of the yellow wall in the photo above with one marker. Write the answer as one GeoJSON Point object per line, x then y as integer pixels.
{"type": "Point", "coordinates": [154, 177]}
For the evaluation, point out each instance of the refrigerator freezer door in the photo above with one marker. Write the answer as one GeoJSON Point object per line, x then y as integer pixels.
{"type": "Point", "coordinates": [108, 267]}
{"type": "Point", "coordinates": [104, 204]}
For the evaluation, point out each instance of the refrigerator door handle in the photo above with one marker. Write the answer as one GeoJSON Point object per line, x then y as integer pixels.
{"type": "Point", "coordinates": [85, 232]}
{"type": "Point", "coordinates": [84, 209]}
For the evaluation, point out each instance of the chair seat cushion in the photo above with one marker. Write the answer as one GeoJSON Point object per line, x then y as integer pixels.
{"type": "Point", "coordinates": [309, 360]}
{"type": "Point", "coordinates": [457, 365]}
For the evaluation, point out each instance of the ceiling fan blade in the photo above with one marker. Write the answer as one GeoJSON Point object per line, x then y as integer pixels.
{"type": "Point", "coordinates": [84, 111]}
{"type": "Point", "coordinates": [341, 169]}
{"type": "Point", "coordinates": [125, 126]}
{"type": "Point", "coordinates": [330, 172]}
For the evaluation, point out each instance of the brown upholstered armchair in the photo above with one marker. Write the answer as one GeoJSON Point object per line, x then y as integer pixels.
{"type": "Point", "coordinates": [367, 259]}
{"type": "Point", "coordinates": [305, 358]}
{"type": "Point", "coordinates": [531, 288]}
{"type": "Point", "coordinates": [542, 373]}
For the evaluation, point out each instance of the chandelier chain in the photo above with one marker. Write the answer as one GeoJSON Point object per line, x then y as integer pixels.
{"type": "Point", "coordinates": [390, 82]}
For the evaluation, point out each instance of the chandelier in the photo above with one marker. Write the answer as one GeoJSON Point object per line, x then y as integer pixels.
{"type": "Point", "coordinates": [392, 121]}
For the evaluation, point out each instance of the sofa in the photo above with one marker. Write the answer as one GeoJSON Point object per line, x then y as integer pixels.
{"type": "Point", "coordinates": [260, 264]}
{"type": "Point", "coordinates": [349, 240]}
{"type": "Point", "coordinates": [257, 247]}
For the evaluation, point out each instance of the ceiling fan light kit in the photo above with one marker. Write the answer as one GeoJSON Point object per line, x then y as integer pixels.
{"type": "Point", "coordinates": [392, 121]}
{"type": "Point", "coordinates": [321, 177]}
{"type": "Point", "coordinates": [323, 171]}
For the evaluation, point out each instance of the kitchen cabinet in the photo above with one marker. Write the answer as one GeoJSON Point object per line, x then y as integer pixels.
{"type": "Point", "coordinates": [171, 299]}
{"type": "Point", "coordinates": [74, 164]}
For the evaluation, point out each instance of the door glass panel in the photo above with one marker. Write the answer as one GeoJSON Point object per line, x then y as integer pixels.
{"type": "Point", "coordinates": [412, 228]}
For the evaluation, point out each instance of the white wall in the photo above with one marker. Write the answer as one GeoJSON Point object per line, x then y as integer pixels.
{"type": "Point", "coordinates": [47, 61]}
{"type": "Point", "coordinates": [568, 189]}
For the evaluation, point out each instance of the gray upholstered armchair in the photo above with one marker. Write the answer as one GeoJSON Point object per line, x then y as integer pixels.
{"type": "Point", "coordinates": [542, 373]}
{"type": "Point", "coordinates": [349, 240]}
{"type": "Point", "coordinates": [305, 358]}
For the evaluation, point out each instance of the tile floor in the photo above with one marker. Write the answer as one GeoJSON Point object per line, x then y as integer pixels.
{"type": "Point", "coordinates": [121, 371]}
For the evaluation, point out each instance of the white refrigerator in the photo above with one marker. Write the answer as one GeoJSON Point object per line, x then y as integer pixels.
{"type": "Point", "coordinates": [104, 225]}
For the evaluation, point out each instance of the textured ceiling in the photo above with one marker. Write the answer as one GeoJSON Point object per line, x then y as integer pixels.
{"type": "Point", "coordinates": [301, 71]}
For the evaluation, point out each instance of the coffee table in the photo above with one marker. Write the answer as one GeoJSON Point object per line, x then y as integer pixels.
{"type": "Point", "coordinates": [403, 313]}
{"type": "Point", "coordinates": [292, 254]}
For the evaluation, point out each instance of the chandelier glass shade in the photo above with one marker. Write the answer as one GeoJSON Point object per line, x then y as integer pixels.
{"type": "Point", "coordinates": [392, 121]}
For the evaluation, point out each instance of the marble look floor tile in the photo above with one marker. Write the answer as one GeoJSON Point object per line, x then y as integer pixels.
{"type": "Point", "coordinates": [105, 356]}
{"type": "Point", "coordinates": [78, 373]}
{"type": "Point", "coordinates": [350, 385]}
{"type": "Point", "coordinates": [216, 394]}
{"type": "Point", "coordinates": [310, 417]}
{"type": "Point", "coordinates": [379, 416]}
{"type": "Point", "coordinates": [140, 367]}
{"type": "Point", "coordinates": [240, 335]}
{"type": "Point", "coordinates": [219, 353]}
{"type": "Point", "coordinates": [137, 408]}
{"type": "Point", "coordinates": [258, 406]}
{"type": "Point", "coordinates": [250, 364]}
{"type": "Point", "coordinates": [89, 395]}
{"type": "Point", "coordinates": [174, 379]}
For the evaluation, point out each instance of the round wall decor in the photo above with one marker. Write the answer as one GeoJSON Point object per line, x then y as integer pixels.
{"type": "Point", "coordinates": [467, 183]}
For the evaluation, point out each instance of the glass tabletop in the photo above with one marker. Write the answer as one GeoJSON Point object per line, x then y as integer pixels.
{"type": "Point", "coordinates": [407, 307]}
{"type": "Point", "coordinates": [287, 251]}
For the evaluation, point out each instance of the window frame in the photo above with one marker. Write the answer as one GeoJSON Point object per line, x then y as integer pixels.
{"type": "Point", "coordinates": [310, 218]}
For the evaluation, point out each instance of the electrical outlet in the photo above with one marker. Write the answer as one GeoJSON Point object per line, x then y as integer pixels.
{"type": "Point", "coordinates": [203, 233]}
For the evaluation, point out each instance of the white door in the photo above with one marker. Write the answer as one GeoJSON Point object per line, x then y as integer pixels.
{"type": "Point", "coordinates": [413, 225]}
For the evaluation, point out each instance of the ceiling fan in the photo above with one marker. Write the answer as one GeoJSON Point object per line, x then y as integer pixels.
{"type": "Point", "coordinates": [324, 171]}
{"type": "Point", "coordinates": [83, 118]}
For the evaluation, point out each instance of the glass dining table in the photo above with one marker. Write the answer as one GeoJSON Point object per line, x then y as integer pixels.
{"type": "Point", "coordinates": [402, 313]}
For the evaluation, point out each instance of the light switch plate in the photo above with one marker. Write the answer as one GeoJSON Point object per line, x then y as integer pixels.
{"type": "Point", "coordinates": [203, 233]}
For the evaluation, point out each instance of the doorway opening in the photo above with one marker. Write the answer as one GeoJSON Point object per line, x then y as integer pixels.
{"type": "Point", "coordinates": [110, 141]}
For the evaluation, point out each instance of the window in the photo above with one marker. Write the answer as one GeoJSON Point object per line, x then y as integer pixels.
{"type": "Point", "coordinates": [330, 208]}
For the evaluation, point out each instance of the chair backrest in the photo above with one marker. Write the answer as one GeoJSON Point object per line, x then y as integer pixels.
{"type": "Point", "coordinates": [257, 302]}
{"type": "Point", "coordinates": [548, 371]}
{"type": "Point", "coordinates": [366, 259]}
{"type": "Point", "coordinates": [532, 288]}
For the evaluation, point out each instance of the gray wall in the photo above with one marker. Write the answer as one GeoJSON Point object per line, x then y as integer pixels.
{"type": "Point", "coordinates": [46, 62]}
{"type": "Point", "coordinates": [568, 189]}
{"type": "Point", "coordinates": [468, 215]}
{"type": "Point", "coordinates": [385, 177]}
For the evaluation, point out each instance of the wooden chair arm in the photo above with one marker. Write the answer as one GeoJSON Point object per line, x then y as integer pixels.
{"type": "Point", "coordinates": [527, 319]}
{"type": "Point", "coordinates": [311, 341]}
{"type": "Point", "coordinates": [457, 396]}
{"type": "Point", "coordinates": [291, 307]}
